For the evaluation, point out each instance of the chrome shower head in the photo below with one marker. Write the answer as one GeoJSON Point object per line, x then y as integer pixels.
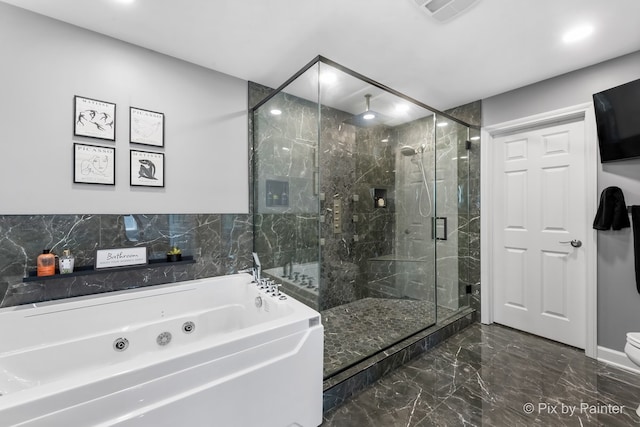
{"type": "Point", "coordinates": [408, 150]}
{"type": "Point", "coordinates": [368, 118]}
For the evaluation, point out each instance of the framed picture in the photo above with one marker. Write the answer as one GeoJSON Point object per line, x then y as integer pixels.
{"type": "Point", "coordinates": [93, 164]}
{"type": "Point", "coordinates": [147, 169]}
{"type": "Point", "coordinates": [93, 118]}
{"type": "Point", "coordinates": [146, 127]}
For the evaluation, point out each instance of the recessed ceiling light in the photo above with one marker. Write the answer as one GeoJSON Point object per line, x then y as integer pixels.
{"type": "Point", "coordinates": [369, 116]}
{"type": "Point", "coordinates": [276, 112]}
{"type": "Point", "coordinates": [577, 33]}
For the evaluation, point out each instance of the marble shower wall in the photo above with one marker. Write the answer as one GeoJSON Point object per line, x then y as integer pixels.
{"type": "Point", "coordinates": [285, 181]}
{"type": "Point", "coordinates": [220, 244]}
{"type": "Point", "coordinates": [415, 248]}
{"type": "Point", "coordinates": [287, 154]}
{"type": "Point", "coordinates": [367, 230]}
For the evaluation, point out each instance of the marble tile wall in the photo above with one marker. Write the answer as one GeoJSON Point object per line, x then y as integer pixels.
{"type": "Point", "coordinates": [220, 244]}
{"type": "Point", "coordinates": [371, 228]}
{"type": "Point", "coordinates": [347, 162]}
{"type": "Point", "coordinates": [285, 152]}
{"type": "Point", "coordinates": [414, 246]}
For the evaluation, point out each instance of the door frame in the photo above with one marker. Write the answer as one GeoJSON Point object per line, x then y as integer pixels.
{"type": "Point", "coordinates": [581, 112]}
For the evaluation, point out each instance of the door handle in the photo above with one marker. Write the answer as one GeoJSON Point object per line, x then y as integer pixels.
{"type": "Point", "coordinates": [575, 243]}
{"type": "Point", "coordinates": [439, 224]}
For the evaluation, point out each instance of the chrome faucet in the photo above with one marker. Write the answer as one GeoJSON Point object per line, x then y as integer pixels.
{"type": "Point", "coordinates": [258, 267]}
{"type": "Point", "coordinates": [290, 276]}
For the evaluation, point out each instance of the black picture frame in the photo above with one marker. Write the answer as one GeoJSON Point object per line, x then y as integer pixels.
{"type": "Point", "coordinates": [94, 164]}
{"type": "Point", "coordinates": [146, 168]}
{"type": "Point", "coordinates": [93, 118]}
{"type": "Point", "coordinates": [146, 127]}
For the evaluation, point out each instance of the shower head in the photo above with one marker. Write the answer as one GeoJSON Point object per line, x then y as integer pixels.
{"type": "Point", "coordinates": [368, 118]}
{"type": "Point", "coordinates": [408, 150]}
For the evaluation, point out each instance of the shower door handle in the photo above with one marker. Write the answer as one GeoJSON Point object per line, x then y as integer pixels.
{"type": "Point", "coordinates": [439, 224]}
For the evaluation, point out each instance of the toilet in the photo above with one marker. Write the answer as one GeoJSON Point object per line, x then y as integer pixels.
{"type": "Point", "coordinates": [632, 349]}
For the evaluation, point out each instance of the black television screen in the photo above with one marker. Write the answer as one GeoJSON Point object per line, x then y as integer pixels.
{"type": "Point", "coordinates": [618, 120]}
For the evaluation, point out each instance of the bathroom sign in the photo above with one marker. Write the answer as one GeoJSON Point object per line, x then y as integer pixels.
{"type": "Point", "coordinates": [120, 257]}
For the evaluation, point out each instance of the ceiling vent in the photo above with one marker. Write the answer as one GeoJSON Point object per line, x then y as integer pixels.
{"type": "Point", "coordinates": [444, 10]}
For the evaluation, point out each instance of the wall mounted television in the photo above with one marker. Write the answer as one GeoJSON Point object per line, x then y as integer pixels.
{"type": "Point", "coordinates": [618, 120]}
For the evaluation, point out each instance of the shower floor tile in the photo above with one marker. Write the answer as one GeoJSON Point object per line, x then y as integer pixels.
{"type": "Point", "coordinates": [360, 329]}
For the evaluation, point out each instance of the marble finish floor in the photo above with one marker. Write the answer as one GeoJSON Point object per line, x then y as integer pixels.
{"type": "Point", "coordinates": [489, 375]}
{"type": "Point", "coordinates": [359, 329]}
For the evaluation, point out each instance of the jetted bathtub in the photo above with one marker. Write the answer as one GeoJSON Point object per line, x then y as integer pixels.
{"type": "Point", "coordinates": [210, 352]}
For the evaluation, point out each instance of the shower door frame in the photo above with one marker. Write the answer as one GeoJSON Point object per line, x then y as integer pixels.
{"type": "Point", "coordinates": [322, 59]}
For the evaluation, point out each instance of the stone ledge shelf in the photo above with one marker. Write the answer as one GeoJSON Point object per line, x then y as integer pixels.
{"type": "Point", "coordinates": [88, 269]}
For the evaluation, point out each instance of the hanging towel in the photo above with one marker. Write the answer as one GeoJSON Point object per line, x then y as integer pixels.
{"type": "Point", "coordinates": [612, 212]}
{"type": "Point", "coordinates": [635, 218]}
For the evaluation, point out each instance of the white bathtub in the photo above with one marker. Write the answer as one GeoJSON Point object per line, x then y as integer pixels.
{"type": "Point", "coordinates": [242, 365]}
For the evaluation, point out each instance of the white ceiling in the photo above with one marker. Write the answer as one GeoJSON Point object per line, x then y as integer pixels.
{"type": "Point", "coordinates": [493, 47]}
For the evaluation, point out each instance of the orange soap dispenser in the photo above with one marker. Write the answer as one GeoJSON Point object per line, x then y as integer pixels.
{"type": "Point", "coordinates": [46, 263]}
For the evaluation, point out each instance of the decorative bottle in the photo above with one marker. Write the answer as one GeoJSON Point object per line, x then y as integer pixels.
{"type": "Point", "coordinates": [46, 263]}
{"type": "Point", "coordinates": [66, 262]}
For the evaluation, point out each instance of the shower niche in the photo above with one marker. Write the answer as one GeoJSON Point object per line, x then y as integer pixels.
{"type": "Point", "coordinates": [380, 199]}
{"type": "Point", "coordinates": [374, 264]}
{"type": "Point", "coordinates": [277, 193]}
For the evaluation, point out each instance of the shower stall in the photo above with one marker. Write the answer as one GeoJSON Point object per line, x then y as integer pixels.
{"type": "Point", "coordinates": [361, 207]}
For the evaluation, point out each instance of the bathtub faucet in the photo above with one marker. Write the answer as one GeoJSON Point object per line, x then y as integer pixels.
{"type": "Point", "coordinates": [253, 272]}
{"type": "Point", "coordinates": [287, 269]}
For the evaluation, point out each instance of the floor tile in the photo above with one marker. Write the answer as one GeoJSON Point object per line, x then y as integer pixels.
{"type": "Point", "coordinates": [490, 375]}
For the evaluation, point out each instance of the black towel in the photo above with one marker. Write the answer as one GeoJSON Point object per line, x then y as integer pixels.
{"type": "Point", "coordinates": [635, 218]}
{"type": "Point", "coordinates": [612, 212]}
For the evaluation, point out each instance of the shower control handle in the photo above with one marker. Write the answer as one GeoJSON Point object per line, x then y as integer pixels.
{"type": "Point", "coordinates": [575, 243]}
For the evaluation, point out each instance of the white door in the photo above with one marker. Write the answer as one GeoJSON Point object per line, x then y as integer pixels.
{"type": "Point", "coordinates": [539, 209]}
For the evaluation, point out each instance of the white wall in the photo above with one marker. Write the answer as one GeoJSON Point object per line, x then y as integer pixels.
{"type": "Point", "coordinates": [618, 300]}
{"type": "Point", "coordinates": [46, 62]}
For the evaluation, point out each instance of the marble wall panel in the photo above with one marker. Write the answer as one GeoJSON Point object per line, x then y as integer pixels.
{"type": "Point", "coordinates": [220, 244]}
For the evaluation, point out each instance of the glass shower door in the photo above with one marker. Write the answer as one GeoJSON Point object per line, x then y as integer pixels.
{"type": "Point", "coordinates": [451, 219]}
